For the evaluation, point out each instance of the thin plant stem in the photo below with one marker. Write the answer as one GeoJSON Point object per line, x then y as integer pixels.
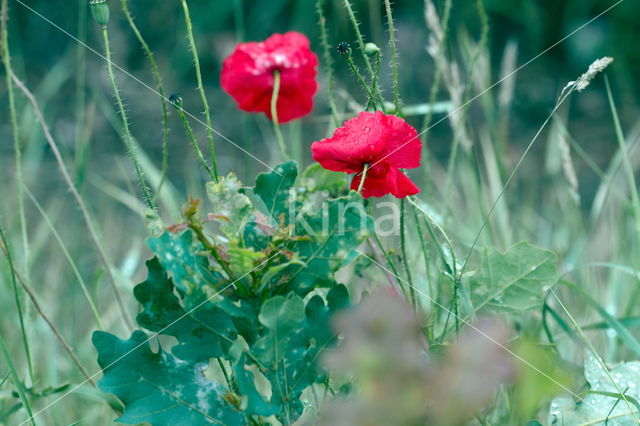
{"type": "Point", "coordinates": [23, 330]}
{"type": "Point", "coordinates": [155, 72]}
{"type": "Point", "coordinates": [360, 39]}
{"type": "Point", "coordinates": [361, 82]}
{"type": "Point", "coordinates": [238, 17]}
{"type": "Point", "coordinates": [559, 102]}
{"type": "Point", "coordinates": [386, 255]}
{"type": "Point", "coordinates": [364, 176]}
{"type": "Point", "coordinates": [74, 191]}
{"type": "Point", "coordinates": [596, 355]}
{"type": "Point", "coordinates": [17, 146]}
{"type": "Point", "coordinates": [484, 37]}
{"type": "Point", "coordinates": [628, 168]}
{"type": "Point", "coordinates": [81, 143]}
{"type": "Point", "coordinates": [194, 143]}
{"type": "Point", "coordinates": [203, 97]}
{"type": "Point", "coordinates": [54, 329]}
{"type": "Point", "coordinates": [128, 139]}
{"type": "Point", "coordinates": [437, 78]}
{"type": "Point", "coordinates": [274, 114]}
{"type": "Point", "coordinates": [394, 58]}
{"type": "Point", "coordinates": [22, 392]}
{"type": "Point", "coordinates": [66, 253]}
{"type": "Point", "coordinates": [403, 250]}
{"type": "Point", "coordinates": [425, 251]}
{"type": "Point", "coordinates": [328, 61]}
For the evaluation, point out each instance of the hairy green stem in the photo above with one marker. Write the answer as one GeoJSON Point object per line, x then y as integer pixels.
{"type": "Point", "coordinates": [194, 144]}
{"type": "Point", "coordinates": [394, 58]}
{"type": "Point", "coordinates": [363, 84]}
{"type": "Point", "coordinates": [203, 97]}
{"type": "Point", "coordinates": [128, 139]}
{"type": "Point", "coordinates": [328, 61]}
{"type": "Point", "coordinates": [360, 39]}
{"type": "Point", "coordinates": [274, 115]}
{"type": "Point", "coordinates": [155, 72]}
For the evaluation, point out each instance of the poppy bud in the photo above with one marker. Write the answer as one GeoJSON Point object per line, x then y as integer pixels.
{"type": "Point", "coordinates": [371, 49]}
{"type": "Point", "coordinates": [100, 11]}
{"type": "Point", "coordinates": [176, 100]}
{"type": "Point", "coordinates": [344, 48]}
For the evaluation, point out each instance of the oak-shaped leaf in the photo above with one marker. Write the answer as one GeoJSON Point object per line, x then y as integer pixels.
{"type": "Point", "coordinates": [159, 389]}
{"type": "Point", "coordinates": [203, 333]}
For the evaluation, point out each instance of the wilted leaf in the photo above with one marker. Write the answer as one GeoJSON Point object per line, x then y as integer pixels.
{"type": "Point", "coordinates": [230, 203]}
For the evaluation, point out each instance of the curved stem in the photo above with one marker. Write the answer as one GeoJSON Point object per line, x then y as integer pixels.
{"type": "Point", "coordinates": [203, 97]}
{"type": "Point", "coordinates": [356, 28]}
{"type": "Point", "coordinates": [194, 144]}
{"type": "Point", "coordinates": [274, 114]}
{"type": "Point", "coordinates": [155, 72]}
{"type": "Point", "coordinates": [364, 176]}
{"type": "Point", "coordinates": [128, 139]}
{"type": "Point", "coordinates": [361, 82]}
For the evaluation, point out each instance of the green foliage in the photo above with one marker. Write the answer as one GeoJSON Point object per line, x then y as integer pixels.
{"type": "Point", "coordinates": [513, 281]}
{"type": "Point", "coordinates": [156, 387]}
{"type": "Point", "coordinates": [603, 404]}
{"type": "Point", "coordinates": [240, 302]}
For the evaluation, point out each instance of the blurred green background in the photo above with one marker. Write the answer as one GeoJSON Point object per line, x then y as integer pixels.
{"type": "Point", "coordinates": [71, 86]}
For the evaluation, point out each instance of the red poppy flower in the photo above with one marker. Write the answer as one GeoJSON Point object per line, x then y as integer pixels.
{"type": "Point", "coordinates": [248, 75]}
{"type": "Point", "coordinates": [385, 143]}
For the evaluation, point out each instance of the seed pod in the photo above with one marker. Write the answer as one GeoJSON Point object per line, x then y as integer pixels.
{"type": "Point", "coordinates": [371, 49]}
{"type": "Point", "coordinates": [176, 100]}
{"type": "Point", "coordinates": [100, 11]}
{"type": "Point", "coordinates": [344, 48]}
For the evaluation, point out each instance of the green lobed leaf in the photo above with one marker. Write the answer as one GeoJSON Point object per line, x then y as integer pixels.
{"type": "Point", "coordinates": [159, 389]}
{"type": "Point", "coordinates": [205, 333]}
{"type": "Point", "coordinates": [295, 364]}
{"type": "Point", "coordinates": [604, 403]}
{"type": "Point", "coordinates": [326, 240]}
{"type": "Point", "coordinates": [274, 190]}
{"type": "Point", "coordinates": [181, 257]}
{"type": "Point", "coordinates": [513, 281]}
